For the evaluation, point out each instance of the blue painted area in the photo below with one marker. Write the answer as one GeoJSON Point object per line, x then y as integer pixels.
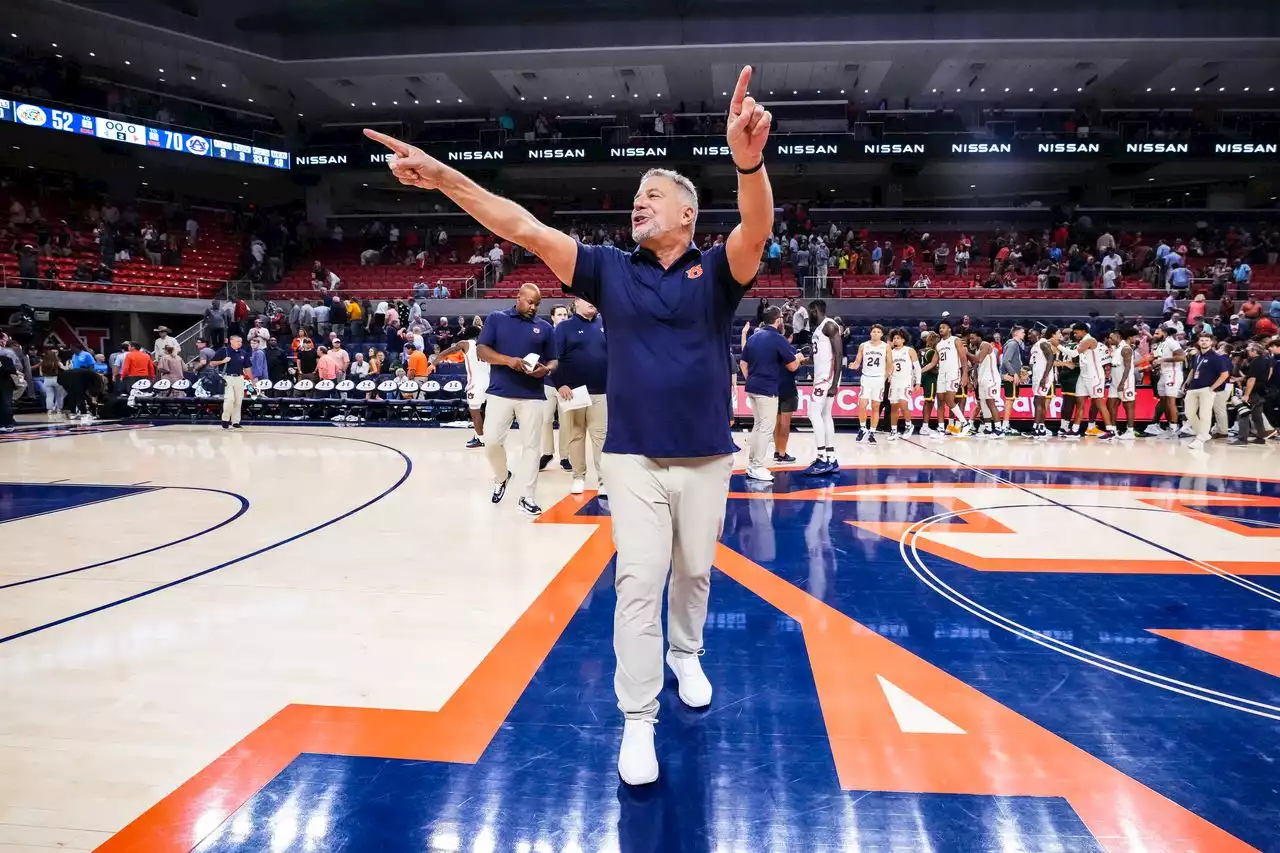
{"type": "Point", "coordinates": [408, 469]}
{"type": "Point", "coordinates": [24, 500]}
{"type": "Point", "coordinates": [755, 773]}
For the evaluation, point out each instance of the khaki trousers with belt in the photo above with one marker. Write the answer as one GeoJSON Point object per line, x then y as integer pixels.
{"type": "Point", "coordinates": [579, 425]}
{"type": "Point", "coordinates": [667, 517]}
{"type": "Point", "coordinates": [499, 413]}
{"type": "Point", "coordinates": [232, 398]}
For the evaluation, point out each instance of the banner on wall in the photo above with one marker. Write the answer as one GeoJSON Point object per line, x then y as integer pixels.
{"type": "Point", "coordinates": [845, 404]}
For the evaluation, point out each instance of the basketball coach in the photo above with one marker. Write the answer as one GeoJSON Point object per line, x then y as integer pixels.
{"type": "Point", "coordinates": [668, 452]}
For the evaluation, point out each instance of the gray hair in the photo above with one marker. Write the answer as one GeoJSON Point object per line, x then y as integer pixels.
{"type": "Point", "coordinates": [686, 186]}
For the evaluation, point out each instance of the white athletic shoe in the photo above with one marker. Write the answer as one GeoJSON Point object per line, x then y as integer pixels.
{"type": "Point", "coordinates": [893, 435]}
{"type": "Point", "coordinates": [925, 432]}
{"type": "Point", "coordinates": [578, 487]}
{"type": "Point", "coordinates": [1197, 444]}
{"type": "Point", "coordinates": [600, 491]}
{"type": "Point", "coordinates": [1186, 431]}
{"type": "Point", "coordinates": [1153, 430]}
{"type": "Point", "coordinates": [695, 689]}
{"type": "Point", "coordinates": [761, 474]}
{"type": "Point", "coordinates": [1126, 435]}
{"type": "Point", "coordinates": [637, 760]}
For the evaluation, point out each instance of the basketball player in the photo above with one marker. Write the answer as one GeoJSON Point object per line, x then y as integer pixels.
{"type": "Point", "coordinates": [990, 399]}
{"type": "Point", "coordinates": [872, 359]}
{"type": "Point", "coordinates": [904, 378]}
{"type": "Point", "coordinates": [477, 380]}
{"type": "Point", "coordinates": [828, 353]}
{"type": "Point", "coordinates": [1043, 354]}
{"type": "Point", "coordinates": [928, 380]}
{"type": "Point", "coordinates": [1012, 372]}
{"type": "Point", "coordinates": [1124, 377]}
{"type": "Point", "coordinates": [952, 366]}
{"type": "Point", "coordinates": [1092, 383]}
{"type": "Point", "coordinates": [668, 452]}
{"type": "Point", "coordinates": [1168, 358]}
{"type": "Point", "coordinates": [1092, 414]}
{"type": "Point", "coordinates": [972, 343]}
{"type": "Point", "coordinates": [559, 314]}
{"type": "Point", "coordinates": [1068, 368]}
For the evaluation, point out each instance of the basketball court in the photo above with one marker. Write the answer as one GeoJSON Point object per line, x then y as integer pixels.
{"type": "Point", "coordinates": [321, 639]}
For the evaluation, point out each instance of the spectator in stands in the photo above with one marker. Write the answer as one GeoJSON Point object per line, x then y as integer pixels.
{"type": "Point", "coordinates": [496, 262]}
{"type": "Point", "coordinates": [416, 364]}
{"type": "Point", "coordinates": [340, 356]}
{"type": "Point", "coordinates": [440, 291]}
{"type": "Point", "coordinates": [1273, 310]}
{"type": "Point", "coordinates": [137, 365]}
{"type": "Point", "coordinates": [326, 365]}
{"type": "Point", "coordinates": [359, 368]}
{"type": "Point", "coordinates": [370, 258]}
{"type": "Point", "coordinates": [164, 338]}
{"type": "Point", "coordinates": [277, 361]}
{"type": "Point", "coordinates": [169, 365]}
{"type": "Point", "coordinates": [193, 228]}
{"type": "Point", "coordinates": [9, 373]}
{"type": "Point", "coordinates": [337, 315]}
{"type": "Point", "coordinates": [50, 369]}
{"type": "Point", "coordinates": [17, 214]}
{"type": "Point", "coordinates": [1196, 310]}
{"type": "Point", "coordinates": [1242, 275]}
{"type": "Point", "coordinates": [773, 256]}
{"type": "Point", "coordinates": [1251, 310]}
{"type": "Point", "coordinates": [800, 261]}
{"type": "Point", "coordinates": [215, 324]}
{"type": "Point", "coordinates": [355, 320]}
{"type": "Point", "coordinates": [308, 359]}
{"type": "Point", "coordinates": [320, 311]}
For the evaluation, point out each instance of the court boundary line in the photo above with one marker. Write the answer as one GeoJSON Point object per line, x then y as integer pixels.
{"type": "Point", "coordinates": [178, 581]}
{"type": "Point", "coordinates": [244, 507]}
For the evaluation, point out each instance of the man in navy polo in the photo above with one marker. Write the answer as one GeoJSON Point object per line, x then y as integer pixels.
{"type": "Point", "coordinates": [234, 363]}
{"type": "Point", "coordinates": [507, 342]}
{"type": "Point", "coordinates": [765, 358]}
{"type": "Point", "coordinates": [583, 363]}
{"type": "Point", "coordinates": [668, 453]}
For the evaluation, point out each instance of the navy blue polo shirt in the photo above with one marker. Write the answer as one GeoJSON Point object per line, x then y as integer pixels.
{"type": "Point", "coordinates": [239, 363]}
{"type": "Point", "coordinates": [668, 390]}
{"type": "Point", "coordinates": [767, 354]}
{"type": "Point", "coordinates": [510, 333]}
{"type": "Point", "coordinates": [583, 354]}
{"type": "Point", "coordinates": [1208, 367]}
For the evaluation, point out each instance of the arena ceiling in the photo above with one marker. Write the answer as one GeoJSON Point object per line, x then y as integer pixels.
{"type": "Point", "coordinates": [361, 60]}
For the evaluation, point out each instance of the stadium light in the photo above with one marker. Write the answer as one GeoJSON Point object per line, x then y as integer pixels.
{"type": "Point", "coordinates": [459, 100]}
{"type": "Point", "coordinates": [935, 91]}
{"type": "Point", "coordinates": [1246, 88]}
{"type": "Point", "coordinates": [1006, 88]}
{"type": "Point", "coordinates": [724, 94]}
{"type": "Point", "coordinates": [957, 91]}
{"type": "Point", "coordinates": [251, 100]}
{"type": "Point", "coordinates": [1032, 89]}
{"type": "Point", "coordinates": [373, 103]}
{"type": "Point", "coordinates": [224, 85]}
{"type": "Point", "coordinates": [127, 62]}
{"type": "Point", "coordinates": [1148, 88]}
{"type": "Point", "coordinates": [161, 70]}
{"type": "Point", "coordinates": [842, 91]}
{"type": "Point", "coordinates": [353, 103]}
{"type": "Point", "coordinates": [91, 53]}
{"type": "Point", "coordinates": [395, 103]}
{"type": "Point", "coordinates": [1055, 88]}
{"type": "Point", "coordinates": [1173, 88]}
{"type": "Point", "coordinates": [55, 44]}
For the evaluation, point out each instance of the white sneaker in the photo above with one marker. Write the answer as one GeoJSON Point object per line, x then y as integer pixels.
{"type": "Point", "coordinates": [1153, 430]}
{"type": "Point", "coordinates": [762, 474]}
{"type": "Point", "coordinates": [893, 435]}
{"type": "Point", "coordinates": [578, 487]}
{"type": "Point", "coordinates": [1196, 445]}
{"type": "Point", "coordinates": [600, 491]}
{"type": "Point", "coordinates": [1127, 435]}
{"type": "Point", "coordinates": [637, 760]}
{"type": "Point", "coordinates": [695, 689]}
{"type": "Point", "coordinates": [1186, 431]}
{"type": "Point", "coordinates": [924, 432]}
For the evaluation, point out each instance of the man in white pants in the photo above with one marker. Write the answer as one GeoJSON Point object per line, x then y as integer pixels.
{"type": "Point", "coordinates": [1208, 373]}
{"type": "Point", "coordinates": [669, 452]}
{"type": "Point", "coordinates": [558, 315]}
{"type": "Point", "coordinates": [234, 362]}
{"type": "Point", "coordinates": [765, 356]}
{"type": "Point", "coordinates": [584, 356]}
{"type": "Point", "coordinates": [521, 350]}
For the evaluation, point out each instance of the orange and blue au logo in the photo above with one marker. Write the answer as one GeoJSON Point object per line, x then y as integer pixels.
{"type": "Point", "coordinates": [694, 271]}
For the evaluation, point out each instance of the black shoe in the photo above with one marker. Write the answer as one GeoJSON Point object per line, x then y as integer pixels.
{"type": "Point", "coordinates": [236, 426]}
{"type": "Point", "coordinates": [566, 464]}
{"type": "Point", "coordinates": [783, 457]}
{"type": "Point", "coordinates": [475, 442]}
{"type": "Point", "coordinates": [1255, 441]}
{"type": "Point", "coordinates": [529, 508]}
{"type": "Point", "coordinates": [501, 489]}
{"type": "Point", "coordinates": [871, 438]}
{"type": "Point", "coordinates": [542, 465]}
{"type": "Point", "coordinates": [226, 425]}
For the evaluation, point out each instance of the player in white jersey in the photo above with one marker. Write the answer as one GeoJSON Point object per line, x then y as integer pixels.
{"type": "Point", "coordinates": [1091, 384]}
{"type": "Point", "coordinates": [873, 361]}
{"type": "Point", "coordinates": [1167, 360]}
{"type": "Point", "coordinates": [1124, 376]}
{"type": "Point", "coordinates": [904, 378]}
{"type": "Point", "coordinates": [1044, 353]}
{"type": "Point", "coordinates": [828, 354]}
{"type": "Point", "coordinates": [952, 368]}
{"type": "Point", "coordinates": [477, 381]}
{"type": "Point", "coordinates": [990, 396]}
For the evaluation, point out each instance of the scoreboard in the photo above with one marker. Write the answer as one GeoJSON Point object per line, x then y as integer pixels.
{"type": "Point", "coordinates": [135, 133]}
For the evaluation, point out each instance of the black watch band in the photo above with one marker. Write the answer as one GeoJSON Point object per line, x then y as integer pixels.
{"type": "Point", "coordinates": [757, 167]}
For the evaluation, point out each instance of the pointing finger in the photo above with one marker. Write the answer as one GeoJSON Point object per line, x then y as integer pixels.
{"type": "Point", "coordinates": [401, 148]}
{"type": "Point", "coordinates": [740, 91]}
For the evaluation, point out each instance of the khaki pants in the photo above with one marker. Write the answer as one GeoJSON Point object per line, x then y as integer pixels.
{"type": "Point", "coordinates": [578, 425]}
{"type": "Point", "coordinates": [232, 399]}
{"type": "Point", "coordinates": [765, 410]}
{"type": "Point", "coordinates": [498, 416]}
{"type": "Point", "coordinates": [667, 516]}
{"type": "Point", "coordinates": [1199, 406]}
{"type": "Point", "coordinates": [549, 423]}
{"type": "Point", "coordinates": [1220, 410]}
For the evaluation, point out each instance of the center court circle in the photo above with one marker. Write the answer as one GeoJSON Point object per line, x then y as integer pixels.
{"type": "Point", "coordinates": [911, 557]}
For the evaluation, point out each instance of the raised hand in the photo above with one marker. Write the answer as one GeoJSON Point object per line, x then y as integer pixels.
{"type": "Point", "coordinates": [748, 127]}
{"type": "Point", "coordinates": [411, 165]}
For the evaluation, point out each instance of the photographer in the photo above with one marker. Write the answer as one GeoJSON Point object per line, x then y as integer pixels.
{"type": "Point", "coordinates": [1256, 371]}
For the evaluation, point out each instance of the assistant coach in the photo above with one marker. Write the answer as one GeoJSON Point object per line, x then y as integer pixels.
{"type": "Point", "coordinates": [668, 454]}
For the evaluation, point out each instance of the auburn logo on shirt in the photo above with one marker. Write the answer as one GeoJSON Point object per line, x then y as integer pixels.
{"type": "Point", "coordinates": [536, 330]}
{"type": "Point", "coordinates": [694, 271]}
